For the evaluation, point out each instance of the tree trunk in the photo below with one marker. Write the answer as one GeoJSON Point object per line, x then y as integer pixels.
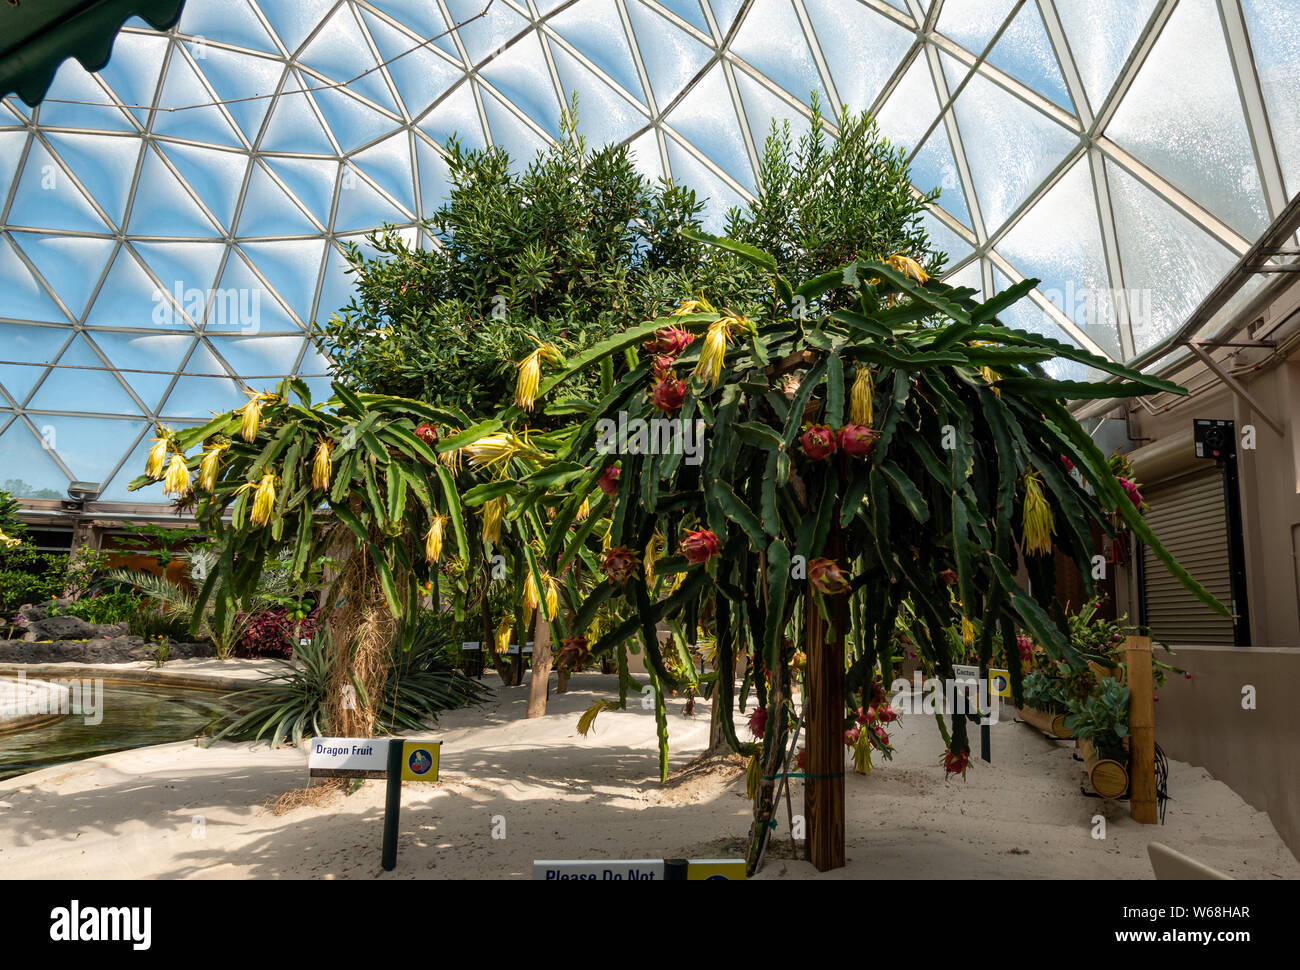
{"type": "Point", "coordinates": [824, 707]}
{"type": "Point", "coordinates": [542, 659]}
{"type": "Point", "coordinates": [362, 631]}
{"type": "Point", "coordinates": [562, 682]}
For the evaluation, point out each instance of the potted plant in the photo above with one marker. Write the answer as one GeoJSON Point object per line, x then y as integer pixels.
{"type": "Point", "coordinates": [1099, 723]}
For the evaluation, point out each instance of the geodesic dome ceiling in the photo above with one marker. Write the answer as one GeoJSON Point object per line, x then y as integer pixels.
{"type": "Point", "coordinates": [170, 224]}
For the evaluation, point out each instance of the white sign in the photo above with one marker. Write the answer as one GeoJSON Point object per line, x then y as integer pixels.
{"type": "Point", "coordinates": [348, 758]}
{"type": "Point", "coordinates": [966, 672]}
{"type": "Point", "coordinates": [609, 869]}
{"type": "Point", "coordinates": [469, 646]}
{"type": "Point", "coordinates": [513, 648]}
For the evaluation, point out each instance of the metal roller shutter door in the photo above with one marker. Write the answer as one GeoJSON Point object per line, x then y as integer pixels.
{"type": "Point", "coordinates": [1187, 515]}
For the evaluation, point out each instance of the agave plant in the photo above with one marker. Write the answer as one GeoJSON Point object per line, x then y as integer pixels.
{"type": "Point", "coordinates": [908, 448]}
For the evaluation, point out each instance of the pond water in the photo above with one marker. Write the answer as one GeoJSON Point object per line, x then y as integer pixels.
{"type": "Point", "coordinates": [133, 715]}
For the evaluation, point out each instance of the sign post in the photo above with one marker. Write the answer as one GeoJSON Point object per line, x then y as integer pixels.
{"type": "Point", "coordinates": [395, 759]}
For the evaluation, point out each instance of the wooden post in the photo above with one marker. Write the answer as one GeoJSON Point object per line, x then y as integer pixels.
{"type": "Point", "coordinates": [539, 685]}
{"type": "Point", "coordinates": [824, 758]}
{"type": "Point", "coordinates": [1142, 731]}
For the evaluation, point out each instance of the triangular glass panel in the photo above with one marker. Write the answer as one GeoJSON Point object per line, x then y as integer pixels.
{"type": "Point", "coordinates": [945, 240]}
{"type": "Point", "coordinates": [89, 386]}
{"type": "Point", "coordinates": [188, 270]}
{"type": "Point", "coordinates": [76, 100]}
{"type": "Point", "coordinates": [604, 116]}
{"type": "Point", "coordinates": [252, 357]}
{"type": "Point", "coordinates": [352, 123]}
{"type": "Point", "coordinates": [488, 33]}
{"type": "Point", "coordinates": [934, 167]}
{"type": "Point", "coordinates": [201, 397]}
{"type": "Point", "coordinates": [204, 361]}
{"type": "Point", "coordinates": [1101, 35]}
{"type": "Point", "coordinates": [595, 28]}
{"type": "Point", "coordinates": [200, 120]}
{"type": "Point", "coordinates": [435, 184]}
{"type": "Point", "coordinates": [246, 82]}
{"type": "Point", "coordinates": [671, 56]}
{"type": "Point", "coordinates": [135, 353]}
{"type": "Point", "coordinates": [292, 267]}
{"type": "Point", "coordinates": [706, 117]}
{"type": "Point", "coordinates": [165, 208]}
{"type": "Point", "coordinates": [268, 211]}
{"type": "Point", "coordinates": [1059, 242]}
{"type": "Point", "coordinates": [1025, 52]}
{"type": "Point", "coordinates": [420, 74]}
{"type": "Point", "coordinates": [341, 52]}
{"type": "Point", "coordinates": [32, 345]}
{"type": "Point", "coordinates": [1273, 29]}
{"type": "Point", "coordinates": [130, 298]}
{"type": "Point", "coordinates": [771, 39]}
{"type": "Point", "coordinates": [294, 126]}
{"type": "Point", "coordinates": [232, 22]}
{"type": "Point", "coordinates": [1169, 263]}
{"type": "Point", "coordinates": [116, 490]}
{"type": "Point", "coordinates": [457, 115]}
{"type": "Point", "coordinates": [338, 288]}
{"type": "Point", "coordinates": [973, 23]}
{"type": "Point", "coordinates": [24, 296]}
{"type": "Point", "coordinates": [389, 164]}
{"type": "Point", "coordinates": [47, 197]}
{"type": "Point", "coordinates": [294, 20]}
{"type": "Point", "coordinates": [644, 154]}
{"type": "Point", "coordinates": [910, 107]}
{"type": "Point", "coordinates": [311, 180]}
{"type": "Point", "coordinates": [104, 164]}
{"type": "Point", "coordinates": [132, 72]}
{"type": "Point", "coordinates": [29, 468]}
{"type": "Point", "coordinates": [18, 379]}
{"type": "Point", "coordinates": [510, 133]}
{"type": "Point", "coordinates": [244, 304]}
{"type": "Point", "coordinates": [423, 18]}
{"type": "Point", "coordinates": [861, 47]}
{"type": "Point", "coordinates": [361, 206]}
{"type": "Point", "coordinates": [688, 10]}
{"type": "Point", "coordinates": [215, 176]}
{"type": "Point", "coordinates": [520, 74]}
{"type": "Point", "coordinates": [689, 171]}
{"type": "Point", "coordinates": [724, 12]}
{"type": "Point", "coordinates": [1010, 147]}
{"type": "Point", "coordinates": [1182, 116]}
{"type": "Point", "coordinates": [12, 145]}
{"type": "Point", "coordinates": [763, 108]}
{"type": "Point", "coordinates": [72, 265]}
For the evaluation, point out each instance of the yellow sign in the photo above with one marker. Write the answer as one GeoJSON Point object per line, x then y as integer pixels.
{"type": "Point", "coordinates": [715, 869]}
{"type": "Point", "coordinates": [999, 683]}
{"type": "Point", "coordinates": [420, 760]}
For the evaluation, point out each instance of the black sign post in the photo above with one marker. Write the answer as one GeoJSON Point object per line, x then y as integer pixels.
{"type": "Point", "coordinates": [393, 803]}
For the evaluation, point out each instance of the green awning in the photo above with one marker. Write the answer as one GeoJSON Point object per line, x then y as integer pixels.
{"type": "Point", "coordinates": [36, 36]}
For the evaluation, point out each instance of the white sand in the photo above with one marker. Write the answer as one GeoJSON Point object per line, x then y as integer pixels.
{"type": "Point", "coordinates": [180, 810]}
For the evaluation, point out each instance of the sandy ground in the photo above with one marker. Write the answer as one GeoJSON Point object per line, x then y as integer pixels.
{"type": "Point", "coordinates": [183, 811]}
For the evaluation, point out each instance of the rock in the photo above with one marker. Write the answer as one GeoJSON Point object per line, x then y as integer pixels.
{"type": "Point", "coordinates": [61, 628]}
{"type": "Point", "coordinates": [111, 650]}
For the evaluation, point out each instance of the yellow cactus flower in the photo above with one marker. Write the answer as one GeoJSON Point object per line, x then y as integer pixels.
{"type": "Point", "coordinates": [908, 267]}
{"type": "Point", "coordinates": [530, 593]}
{"type": "Point", "coordinates": [322, 469]}
{"type": "Point", "coordinates": [501, 639]}
{"type": "Point", "coordinates": [498, 448]}
{"type": "Point", "coordinates": [714, 352]}
{"type": "Point", "coordinates": [654, 549]}
{"type": "Point", "coordinates": [210, 464]}
{"type": "Point", "coordinates": [693, 306]}
{"type": "Point", "coordinates": [967, 632]}
{"type": "Point", "coordinates": [529, 377]}
{"type": "Point", "coordinates": [862, 404]}
{"type": "Point", "coordinates": [264, 500]}
{"type": "Point", "coordinates": [451, 459]}
{"type": "Point", "coordinates": [492, 511]}
{"type": "Point", "coordinates": [1036, 523]}
{"type": "Point", "coordinates": [8, 541]}
{"type": "Point", "coordinates": [584, 510]}
{"type": "Point", "coordinates": [153, 466]}
{"type": "Point", "coordinates": [433, 539]}
{"type": "Point", "coordinates": [552, 595]}
{"type": "Point", "coordinates": [177, 480]}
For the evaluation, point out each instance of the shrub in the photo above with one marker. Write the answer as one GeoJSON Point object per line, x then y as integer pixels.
{"type": "Point", "coordinates": [272, 633]}
{"type": "Point", "coordinates": [114, 607]}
